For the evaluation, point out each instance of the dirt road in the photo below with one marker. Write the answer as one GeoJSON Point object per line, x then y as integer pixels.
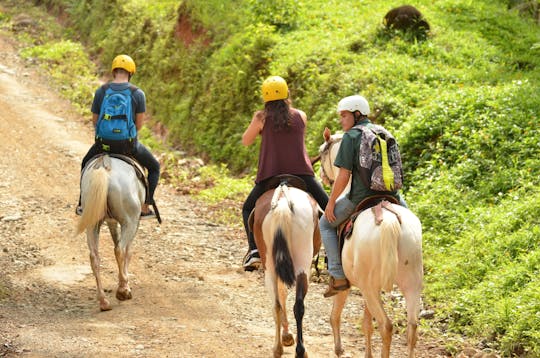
{"type": "Point", "coordinates": [190, 296]}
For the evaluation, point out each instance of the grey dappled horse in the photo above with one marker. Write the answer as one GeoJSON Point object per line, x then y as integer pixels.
{"type": "Point", "coordinates": [374, 258]}
{"type": "Point", "coordinates": [111, 193]}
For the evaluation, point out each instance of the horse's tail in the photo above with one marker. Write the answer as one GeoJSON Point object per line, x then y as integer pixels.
{"type": "Point", "coordinates": [95, 209]}
{"type": "Point", "coordinates": [281, 229]}
{"type": "Point", "coordinates": [390, 234]}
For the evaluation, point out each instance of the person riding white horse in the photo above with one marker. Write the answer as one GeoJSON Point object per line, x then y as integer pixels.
{"type": "Point", "coordinates": [383, 248]}
{"type": "Point", "coordinates": [353, 111]}
{"type": "Point", "coordinates": [123, 67]}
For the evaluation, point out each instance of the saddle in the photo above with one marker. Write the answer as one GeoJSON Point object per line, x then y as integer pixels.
{"type": "Point", "coordinates": [287, 179]}
{"type": "Point", "coordinates": [264, 205]}
{"type": "Point", "coordinates": [377, 203]}
{"type": "Point", "coordinates": [139, 171]}
{"type": "Point", "coordinates": [272, 183]}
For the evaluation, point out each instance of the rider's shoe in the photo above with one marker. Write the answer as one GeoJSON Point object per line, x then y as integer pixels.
{"type": "Point", "coordinates": [335, 286]}
{"type": "Point", "coordinates": [78, 210]}
{"type": "Point", "coordinates": [252, 261]}
{"type": "Point", "coordinates": [148, 215]}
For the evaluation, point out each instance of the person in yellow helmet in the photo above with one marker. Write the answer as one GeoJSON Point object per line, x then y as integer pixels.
{"type": "Point", "coordinates": [283, 151]}
{"type": "Point", "coordinates": [123, 68]}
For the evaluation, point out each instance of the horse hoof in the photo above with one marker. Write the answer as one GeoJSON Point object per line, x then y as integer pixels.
{"type": "Point", "coordinates": [123, 295]}
{"type": "Point", "coordinates": [105, 306]}
{"type": "Point", "coordinates": [339, 352]}
{"type": "Point", "coordinates": [287, 339]}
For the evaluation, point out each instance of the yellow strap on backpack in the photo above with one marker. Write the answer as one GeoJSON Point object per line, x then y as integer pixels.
{"type": "Point", "coordinates": [387, 173]}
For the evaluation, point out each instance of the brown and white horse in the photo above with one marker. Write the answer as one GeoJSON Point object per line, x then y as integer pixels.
{"type": "Point", "coordinates": [111, 193]}
{"type": "Point", "coordinates": [374, 258]}
{"type": "Point", "coordinates": [287, 235]}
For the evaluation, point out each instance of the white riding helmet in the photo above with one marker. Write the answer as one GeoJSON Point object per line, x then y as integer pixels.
{"type": "Point", "coordinates": [353, 104]}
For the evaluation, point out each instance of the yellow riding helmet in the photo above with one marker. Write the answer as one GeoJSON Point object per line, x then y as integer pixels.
{"type": "Point", "coordinates": [274, 88]}
{"type": "Point", "coordinates": [125, 62]}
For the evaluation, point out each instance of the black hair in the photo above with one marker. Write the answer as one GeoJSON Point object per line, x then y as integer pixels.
{"type": "Point", "coordinates": [278, 113]}
{"type": "Point", "coordinates": [358, 117]}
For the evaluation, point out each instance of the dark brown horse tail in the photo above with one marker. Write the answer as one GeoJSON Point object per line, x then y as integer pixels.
{"type": "Point", "coordinates": [282, 258]}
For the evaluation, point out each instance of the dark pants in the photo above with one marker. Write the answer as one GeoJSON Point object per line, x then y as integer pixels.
{"type": "Point", "coordinates": [141, 155]}
{"type": "Point", "coordinates": [313, 187]}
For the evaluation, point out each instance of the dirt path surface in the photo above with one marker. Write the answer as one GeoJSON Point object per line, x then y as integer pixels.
{"type": "Point", "coordinates": [190, 296]}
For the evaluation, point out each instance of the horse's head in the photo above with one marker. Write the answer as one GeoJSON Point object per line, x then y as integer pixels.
{"type": "Point", "coordinates": [328, 152]}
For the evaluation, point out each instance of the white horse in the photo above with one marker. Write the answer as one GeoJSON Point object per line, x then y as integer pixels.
{"type": "Point", "coordinates": [287, 234]}
{"type": "Point", "coordinates": [111, 192]}
{"type": "Point", "coordinates": [375, 257]}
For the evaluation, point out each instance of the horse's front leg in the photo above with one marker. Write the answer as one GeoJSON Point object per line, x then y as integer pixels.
{"type": "Point", "coordinates": [301, 291]}
{"type": "Point", "coordinates": [92, 239]}
{"type": "Point", "coordinates": [335, 320]}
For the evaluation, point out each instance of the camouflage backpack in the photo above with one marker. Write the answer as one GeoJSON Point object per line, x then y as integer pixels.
{"type": "Point", "coordinates": [380, 160]}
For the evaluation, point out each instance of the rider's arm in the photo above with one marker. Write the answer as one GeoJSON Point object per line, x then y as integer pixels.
{"type": "Point", "coordinates": [94, 118]}
{"type": "Point", "coordinates": [339, 185]}
{"type": "Point", "coordinates": [254, 128]}
{"type": "Point", "coordinates": [139, 120]}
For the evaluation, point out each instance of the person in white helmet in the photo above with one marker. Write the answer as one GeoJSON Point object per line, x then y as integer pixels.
{"type": "Point", "coordinates": [353, 111]}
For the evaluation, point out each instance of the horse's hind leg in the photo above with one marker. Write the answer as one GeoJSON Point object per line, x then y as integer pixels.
{"type": "Point", "coordinates": [301, 291]}
{"type": "Point", "coordinates": [122, 251]}
{"type": "Point", "coordinates": [92, 239]}
{"type": "Point", "coordinates": [286, 337]}
{"type": "Point", "coordinates": [278, 347]}
{"type": "Point", "coordinates": [375, 307]}
{"type": "Point", "coordinates": [412, 299]}
{"type": "Point", "coordinates": [367, 328]}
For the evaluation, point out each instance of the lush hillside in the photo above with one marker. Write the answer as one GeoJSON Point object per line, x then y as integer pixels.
{"type": "Point", "coordinates": [464, 104]}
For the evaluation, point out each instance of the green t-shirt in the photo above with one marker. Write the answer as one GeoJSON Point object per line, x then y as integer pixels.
{"type": "Point", "coordinates": [348, 158]}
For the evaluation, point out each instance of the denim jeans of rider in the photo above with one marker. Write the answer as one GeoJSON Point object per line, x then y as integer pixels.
{"type": "Point", "coordinates": [342, 210]}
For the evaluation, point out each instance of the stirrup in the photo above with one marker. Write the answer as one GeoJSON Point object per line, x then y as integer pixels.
{"type": "Point", "coordinates": [333, 289]}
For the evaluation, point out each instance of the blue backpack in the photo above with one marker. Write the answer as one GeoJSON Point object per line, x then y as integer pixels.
{"type": "Point", "coordinates": [115, 129]}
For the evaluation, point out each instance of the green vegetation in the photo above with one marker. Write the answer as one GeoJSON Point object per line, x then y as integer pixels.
{"type": "Point", "coordinates": [463, 103]}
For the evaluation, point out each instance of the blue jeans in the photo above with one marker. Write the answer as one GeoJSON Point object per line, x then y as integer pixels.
{"type": "Point", "coordinates": [342, 210]}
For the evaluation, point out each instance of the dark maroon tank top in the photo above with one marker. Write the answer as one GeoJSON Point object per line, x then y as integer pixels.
{"type": "Point", "coordinates": [284, 151]}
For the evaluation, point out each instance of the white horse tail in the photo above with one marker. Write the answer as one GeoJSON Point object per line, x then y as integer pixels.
{"type": "Point", "coordinates": [281, 231]}
{"type": "Point", "coordinates": [95, 209]}
{"type": "Point", "coordinates": [390, 234]}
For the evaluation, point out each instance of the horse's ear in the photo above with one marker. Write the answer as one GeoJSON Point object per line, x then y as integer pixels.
{"type": "Point", "coordinates": [326, 134]}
